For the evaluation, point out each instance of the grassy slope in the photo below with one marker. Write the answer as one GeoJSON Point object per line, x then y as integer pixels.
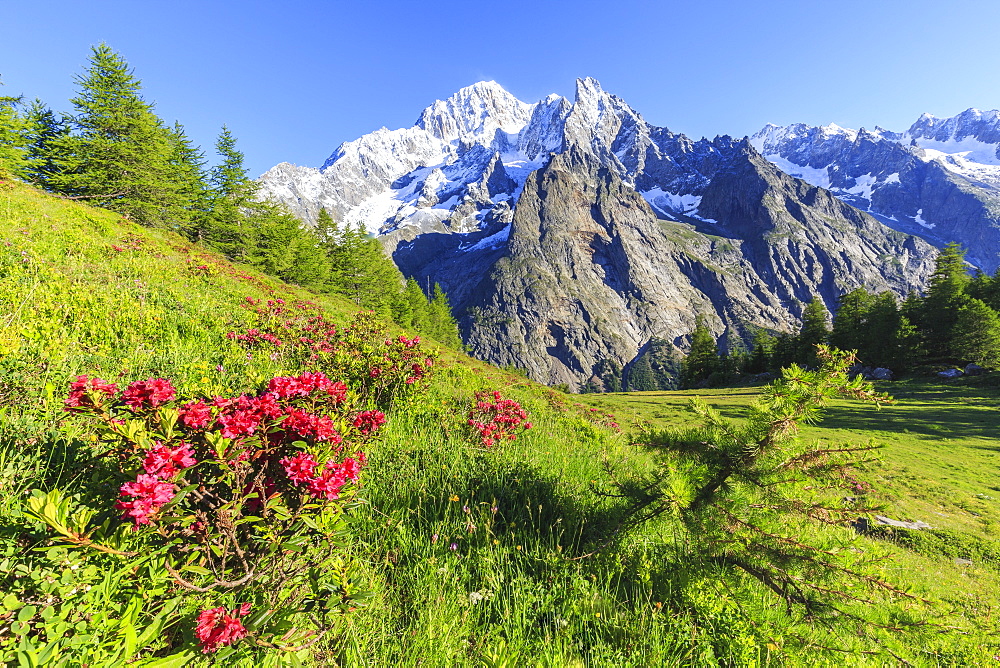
{"type": "Point", "coordinates": [513, 591]}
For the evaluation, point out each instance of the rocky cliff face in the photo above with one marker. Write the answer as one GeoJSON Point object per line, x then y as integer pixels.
{"type": "Point", "coordinates": [572, 234]}
{"type": "Point", "coordinates": [586, 271]}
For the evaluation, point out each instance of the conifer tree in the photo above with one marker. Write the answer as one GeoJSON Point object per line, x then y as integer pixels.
{"type": "Point", "coordinates": [939, 310]}
{"type": "Point", "coordinates": [190, 202]}
{"type": "Point", "coordinates": [976, 334]}
{"type": "Point", "coordinates": [443, 325]}
{"type": "Point", "coordinates": [415, 314]}
{"type": "Point", "coordinates": [703, 358]}
{"type": "Point", "coordinates": [13, 156]}
{"type": "Point", "coordinates": [640, 375]}
{"type": "Point", "coordinates": [363, 273]}
{"type": "Point", "coordinates": [812, 333]}
{"type": "Point", "coordinates": [231, 194]}
{"type": "Point", "coordinates": [849, 323]}
{"type": "Point", "coordinates": [762, 351]}
{"type": "Point", "coordinates": [46, 133]}
{"type": "Point", "coordinates": [119, 154]}
{"type": "Point", "coordinates": [610, 373]}
{"type": "Point", "coordinates": [746, 491]}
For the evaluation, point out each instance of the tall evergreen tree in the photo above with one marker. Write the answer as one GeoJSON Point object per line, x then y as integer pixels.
{"type": "Point", "coordinates": [813, 332]}
{"type": "Point", "coordinates": [13, 156]}
{"type": "Point", "coordinates": [703, 358]}
{"type": "Point", "coordinates": [443, 325]}
{"type": "Point", "coordinates": [849, 323]}
{"type": "Point", "coordinates": [119, 155]}
{"type": "Point", "coordinates": [976, 334]}
{"type": "Point", "coordinates": [610, 373]}
{"type": "Point", "coordinates": [362, 272]}
{"type": "Point", "coordinates": [231, 195]}
{"type": "Point", "coordinates": [191, 204]}
{"type": "Point", "coordinates": [640, 375]}
{"type": "Point", "coordinates": [762, 351]}
{"type": "Point", "coordinates": [939, 310]}
{"type": "Point", "coordinates": [46, 133]}
{"type": "Point", "coordinates": [415, 314]}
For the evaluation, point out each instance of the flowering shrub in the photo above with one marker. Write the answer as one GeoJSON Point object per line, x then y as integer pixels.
{"type": "Point", "coordinates": [380, 369]}
{"type": "Point", "coordinates": [495, 419]}
{"type": "Point", "coordinates": [230, 490]}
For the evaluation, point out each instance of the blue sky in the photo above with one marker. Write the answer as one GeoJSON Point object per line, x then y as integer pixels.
{"type": "Point", "coordinates": [293, 79]}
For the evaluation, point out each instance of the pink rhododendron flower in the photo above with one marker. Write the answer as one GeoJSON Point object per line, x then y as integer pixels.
{"type": "Point", "coordinates": [150, 494]}
{"type": "Point", "coordinates": [368, 421]}
{"type": "Point", "coordinates": [352, 468]}
{"type": "Point", "coordinates": [164, 461]}
{"type": "Point", "coordinates": [196, 414]}
{"type": "Point", "coordinates": [83, 391]}
{"type": "Point", "coordinates": [306, 425]}
{"type": "Point", "coordinates": [150, 393]}
{"type": "Point", "coordinates": [217, 627]}
{"type": "Point", "coordinates": [301, 468]}
{"type": "Point", "coordinates": [327, 485]}
{"type": "Point", "coordinates": [239, 423]}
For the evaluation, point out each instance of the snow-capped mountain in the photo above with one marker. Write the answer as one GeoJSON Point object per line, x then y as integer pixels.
{"type": "Point", "coordinates": [568, 234]}
{"type": "Point", "coordinates": [463, 157]}
{"type": "Point", "coordinates": [939, 179]}
{"type": "Point", "coordinates": [461, 166]}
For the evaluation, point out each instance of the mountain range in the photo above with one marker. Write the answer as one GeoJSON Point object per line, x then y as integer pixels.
{"type": "Point", "coordinates": [570, 233]}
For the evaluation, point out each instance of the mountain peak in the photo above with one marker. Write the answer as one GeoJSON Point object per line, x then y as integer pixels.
{"type": "Point", "coordinates": [483, 107]}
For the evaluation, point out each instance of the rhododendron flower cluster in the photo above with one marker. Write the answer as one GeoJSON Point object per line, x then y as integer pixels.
{"type": "Point", "coordinates": [83, 391]}
{"type": "Point", "coordinates": [300, 331]}
{"type": "Point", "coordinates": [285, 412]}
{"type": "Point", "coordinates": [149, 493]}
{"type": "Point", "coordinates": [604, 419]}
{"type": "Point", "coordinates": [305, 384]}
{"type": "Point", "coordinates": [303, 469]}
{"type": "Point", "coordinates": [230, 489]}
{"type": "Point", "coordinates": [165, 462]}
{"type": "Point", "coordinates": [255, 338]}
{"type": "Point", "coordinates": [496, 419]}
{"type": "Point", "coordinates": [368, 421]}
{"type": "Point", "coordinates": [218, 626]}
{"type": "Point", "coordinates": [151, 393]}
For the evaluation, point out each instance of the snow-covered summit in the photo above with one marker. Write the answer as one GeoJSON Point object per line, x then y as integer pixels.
{"type": "Point", "coordinates": [475, 113]}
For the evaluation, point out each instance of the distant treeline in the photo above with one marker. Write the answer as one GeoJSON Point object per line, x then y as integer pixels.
{"type": "Point", "coordinates": [955, 322]}
{"type": "Point", "coordinates": [113, 151]}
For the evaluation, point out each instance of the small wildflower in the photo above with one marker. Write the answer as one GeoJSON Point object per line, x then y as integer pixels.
{"type": "Point", "coordinates": [453, 497]}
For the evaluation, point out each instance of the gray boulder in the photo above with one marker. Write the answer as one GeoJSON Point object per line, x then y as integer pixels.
{"type": "Point", "coordinates": [879, 519]}
{"type": "Point", "coordinates": [950, 373]}
{"type": "Point", "coordinates": [973, 369]}
{"type": "Point", "coordinates": [880, 373]}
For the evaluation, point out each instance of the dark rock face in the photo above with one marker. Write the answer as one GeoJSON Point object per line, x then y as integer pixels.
{"type": "Point", "coordinates": [589, 273]}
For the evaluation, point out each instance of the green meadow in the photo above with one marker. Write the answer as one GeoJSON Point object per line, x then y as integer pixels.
{"type": "Point", "coordinates": [513, 555]}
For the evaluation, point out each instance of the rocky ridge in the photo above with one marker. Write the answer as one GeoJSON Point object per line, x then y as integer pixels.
{"type": "Point", "coordinates": [940, 179]}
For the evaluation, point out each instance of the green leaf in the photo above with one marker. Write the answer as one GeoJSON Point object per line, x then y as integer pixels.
{"type": "Point", "coordinates": [178, 660]}
{"type": "Point", "coordinates": [26, 613]}
{"type": "Point", "coordinates": [10, 603]}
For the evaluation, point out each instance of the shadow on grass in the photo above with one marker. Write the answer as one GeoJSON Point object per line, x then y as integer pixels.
{"type": "Point", "coordinates": [944, 421]}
